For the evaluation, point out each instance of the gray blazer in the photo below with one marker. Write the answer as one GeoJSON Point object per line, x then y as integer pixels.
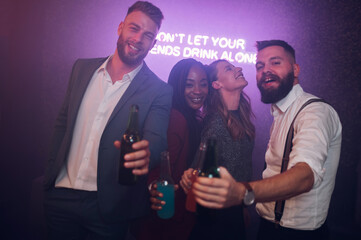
{"type": "Point", "coordinates": [116, 202]}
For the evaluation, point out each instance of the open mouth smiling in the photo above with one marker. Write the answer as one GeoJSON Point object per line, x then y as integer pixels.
{"type": "Point", "coordinates": [197, 100]}
{"type": "Point", "coordinates": [240, 75]}
{"type": "Point", "coordinates": [269, 80]}
{"type": "Point", "coordinates": [134, 48]}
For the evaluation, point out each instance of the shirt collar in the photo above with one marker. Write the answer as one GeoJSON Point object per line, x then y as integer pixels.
{"type": "Point", "coordinates": [134, 73]}
{"type": "Point", "coordinates": [128, 76]}
{"type": "Point", "coordinates": [283, 104]}
{"type": "Point", "coordinates": [103, 66]}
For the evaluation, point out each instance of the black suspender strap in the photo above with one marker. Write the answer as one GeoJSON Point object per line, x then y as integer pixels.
{"type": "Point", "coordinates": [280, 204]}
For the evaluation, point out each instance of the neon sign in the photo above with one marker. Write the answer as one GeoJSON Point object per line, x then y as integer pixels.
{"type": "Point", "coordinates": [203, 47]}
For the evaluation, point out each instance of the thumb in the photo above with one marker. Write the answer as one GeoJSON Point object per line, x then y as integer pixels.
{"type": "Point", "coordinates": [117, 144]}
{"type": "Point", "coordinates": [225, 174]}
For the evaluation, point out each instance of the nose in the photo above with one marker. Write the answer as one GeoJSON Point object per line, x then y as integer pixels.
{"type": "Point", "coordinates": [236, 71]}
{"type": "Point", "coordinates": [138, 37]}
{"type": "Point", "coordinates": [267, 69]}
{"type": "Point", "coordinates": [197, 89]}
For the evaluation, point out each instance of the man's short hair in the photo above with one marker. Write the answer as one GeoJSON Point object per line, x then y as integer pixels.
{"type": "Point", "coordinates": [149, 9]}
{"type": "Point", "coordinates": [263, 44]}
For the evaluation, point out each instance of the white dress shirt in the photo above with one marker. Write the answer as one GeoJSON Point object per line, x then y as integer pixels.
{"type": "Point", "coordinates": [317, 142]}
{"type": "Point", "coordinates": [99, 101]}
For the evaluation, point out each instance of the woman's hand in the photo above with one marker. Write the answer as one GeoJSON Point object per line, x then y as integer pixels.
{"type": "Point", "coordinates": [155, 195]}
{"type": "Point", "coordinates": [186, 181]}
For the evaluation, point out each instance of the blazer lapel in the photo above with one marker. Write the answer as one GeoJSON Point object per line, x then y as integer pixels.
{"type": "Point", "coordinates": [134, 85]}
{"type": "Point", "coordinates": [83, 82]}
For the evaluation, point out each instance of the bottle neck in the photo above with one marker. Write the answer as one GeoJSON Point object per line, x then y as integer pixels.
{"type": "Point", "coordinates": [165, 173]}
{"type": "Point", "coordinates": [200, 155]}
{"type": "Point", "coordinates": [133, 119]}
{"type": "Point", "coordinates": [210, 166]}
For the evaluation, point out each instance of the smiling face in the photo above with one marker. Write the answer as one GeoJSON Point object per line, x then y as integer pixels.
{"type": "Point", "coordinates": [276, 73]}
{"type": "Point", "coordinates": [196, 87]}
{"type": "Point", "coordinates": [229, 77]}
{"type": "Point", "coordinates": [136, 37]}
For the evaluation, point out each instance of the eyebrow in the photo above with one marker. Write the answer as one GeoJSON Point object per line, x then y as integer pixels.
{"type": "Point", "coordinates": [146, 32]}
{"type": "Point", "coordinates": [277, 57]}
{"type": "Point", "coordinates": [134, 24]}
{"type": "Point", "coordinates": [228, 65]}
{"type": "Point", "coordinates": [272, 58]}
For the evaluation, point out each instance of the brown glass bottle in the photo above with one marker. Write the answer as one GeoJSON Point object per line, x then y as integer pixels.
{"type": "Point", "coordinates": [200, 155]}
{"type": "Point", "coordinates": [210, 169]}
{"type": "Point", "coordinates": [130, 136]}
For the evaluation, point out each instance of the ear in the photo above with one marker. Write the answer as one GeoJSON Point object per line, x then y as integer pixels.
{"type": "Point", "coordinates": [120, 28]}
{"type": "Point", "coordinates": [216, 85]}
{"type": "Point", "coordinates": [296, 70]}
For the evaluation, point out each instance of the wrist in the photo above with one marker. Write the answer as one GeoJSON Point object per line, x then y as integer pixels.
{"type": "Point", "coordinates": [242, 192]}
{"type": "Point", "coordinates": [248, 197]}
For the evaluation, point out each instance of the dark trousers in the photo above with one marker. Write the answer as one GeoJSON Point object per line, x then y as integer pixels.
{"type": "Point", "coordinates": [74, 214]}
{"type": "Point", "coordinates": [219, 224]}
{"type": "Point", "coordinates": [268, 231]}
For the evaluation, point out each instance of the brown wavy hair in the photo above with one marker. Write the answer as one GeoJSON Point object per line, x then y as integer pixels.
{"type": "Point", "coordinates": [237, 128]}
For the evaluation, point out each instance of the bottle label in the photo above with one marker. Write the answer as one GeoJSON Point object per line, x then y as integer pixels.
{"type": "Point", "coordinates": [167, 210]}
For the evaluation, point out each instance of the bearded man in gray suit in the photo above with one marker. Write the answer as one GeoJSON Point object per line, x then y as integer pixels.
{"type": "Point", "coordinates": [82, 196]}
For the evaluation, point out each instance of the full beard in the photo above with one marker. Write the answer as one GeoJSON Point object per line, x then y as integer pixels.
{"type": "Point", "coordinates": [126, 58]}
{"type": "Point", "coordinates": [273, 95]}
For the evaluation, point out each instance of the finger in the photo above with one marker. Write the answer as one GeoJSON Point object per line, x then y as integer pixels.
{"type": "Point", "coordinates": [156, 207]}
{"type": "Point", "coordinates": [185, 185]}
{"type": "Point", "coordinates": [152, 185]}
{"type": "Point", "coordinates": [213, 182]}
{"type": "Point", "coordinates": [143, 144]}
{"type": "Point", "coordinates": [185, 189]}
{"type": "Point", "coordinates": [210, 190]}
{"type": "Point", "coordinates": [117, 144]}
{"type": "Point", "coordinates": [141, 163]}
{"type": "Point", "coordinates": [208, 204]}
{"type": "Point", "coordinates": [156, 201]}
{"type": "Point", "coordinates": [140, 171]}
{"type": "Point", "coordinates": [139, 154]}
{"type": "Point", "coordinates": [187, 181]}
{"type": "Point", "coordinates": [211, 198]}
{"type": "Point", "coordinates": [225, 174]}
{"type": "Point", "coordinates": [155, 193]}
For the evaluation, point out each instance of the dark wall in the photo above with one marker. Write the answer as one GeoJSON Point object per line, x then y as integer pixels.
{"type": "Point", "coordinates": [40, 39]}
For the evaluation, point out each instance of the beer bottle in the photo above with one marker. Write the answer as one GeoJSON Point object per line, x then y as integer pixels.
{"type": "Point", "coordinates": [131, 135]}
{"type": "Point", "coordinates": [191, 201]}
{"type": "Point", "coordinates": [210, 169]}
